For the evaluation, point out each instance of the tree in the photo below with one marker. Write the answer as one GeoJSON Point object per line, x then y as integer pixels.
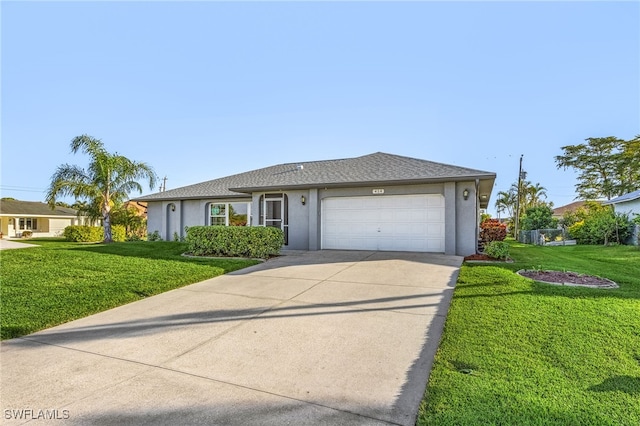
{"type": "Point", "coordinates": [539, 217]}
{"type": "Point", "coordinates": [135, 225]}
{"type": "Point", "coordinates": [506, 201]}
{"type": "Point", "coordinates": [91, 212]}
{"type": "Point", "coordinates": [608, 166]}
{"type": "Point", "coordinates": [108, 179]}
{"type": "Point", "coordinates": [530, 196]}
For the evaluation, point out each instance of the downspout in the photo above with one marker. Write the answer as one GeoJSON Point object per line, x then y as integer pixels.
{"type": "Point", "coordinates": [477, 217]}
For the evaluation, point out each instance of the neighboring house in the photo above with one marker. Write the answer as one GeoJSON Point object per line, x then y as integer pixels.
{"type": "Point", "coordinates": [374, 202]}
{"type": "Point", "coordinates": [140, 208]}
{"type": "Point", "coordinates": [628, 204]}
{"type": "Point", "coordinates": [559, 212]}
{"type": "Point", "coordinates": [19, 216]}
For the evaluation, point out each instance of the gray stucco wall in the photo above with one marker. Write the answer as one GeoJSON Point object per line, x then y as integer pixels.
{"type": "Point", "coordinates": [305, 220]}
{"type": "Point", "coordinates": [466, 219]}
{"type": "Point", "coordinates": [154, 218]}
{"type": "Point", "coordinates": [298, 217]}
{"type": "Point", "coordinates": [162, 218]}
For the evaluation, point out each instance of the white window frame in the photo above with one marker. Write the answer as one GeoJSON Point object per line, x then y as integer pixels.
{"type": "Point", "coordinates": [227, 210]}
{"type": "Point", "coordinates": [26, 223]}
{"type": "Point", "coordinates": [225, 215]}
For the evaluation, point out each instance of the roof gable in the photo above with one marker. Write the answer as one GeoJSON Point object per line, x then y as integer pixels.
{"type": "Point", "coordinates": [372, 169]}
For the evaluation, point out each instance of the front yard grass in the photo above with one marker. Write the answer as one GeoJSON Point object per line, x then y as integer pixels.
{"type": "Point", "coordinates": [518, 352]}
{"type": "Point", "coordinates": [60, 281]}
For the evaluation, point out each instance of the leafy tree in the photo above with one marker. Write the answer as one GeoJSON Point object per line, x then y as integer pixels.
{"type": "Point", "coordinates": [608, 166]}
{"type": "Point", "coordinates": [135, 225]}
{"type": "Point", "coordinates": [540, 217]}
{"type": "Point", "coordinates": [108, 179]}
{"type": "Point", "coordinates": [601, 225]}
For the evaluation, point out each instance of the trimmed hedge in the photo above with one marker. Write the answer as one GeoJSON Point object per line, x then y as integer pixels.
{"type": "Point", "coordinates": [89, 234]}
{"type": "Point", "coordinates": [234, 241]}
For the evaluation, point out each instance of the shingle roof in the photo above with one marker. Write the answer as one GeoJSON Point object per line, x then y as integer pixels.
{"type": "Point", "coordinates": [623, 198]}
{"type": "Point", "coordinates": [559, 211]}
{"type": "Point", "coordinates": [372, 169]}
{"type": "Point", "coordinates": [33, 208]}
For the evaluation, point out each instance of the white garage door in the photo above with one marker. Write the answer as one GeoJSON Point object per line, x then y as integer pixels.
{"type": "Point", "coordinates": [384, 222]}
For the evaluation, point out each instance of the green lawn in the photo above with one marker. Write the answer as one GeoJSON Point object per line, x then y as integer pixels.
{"type": "Point", "coordinates": [59, 281]}
{"type": "Point", "coordinates": [518, 352]}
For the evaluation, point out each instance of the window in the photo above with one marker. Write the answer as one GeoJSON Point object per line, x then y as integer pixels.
{"type": "Point", "coordinates": [27, 224]}
{"type": "Point", "coordinates": [229, 214]}
{"type": "Point", "coordinates": [218, 214]}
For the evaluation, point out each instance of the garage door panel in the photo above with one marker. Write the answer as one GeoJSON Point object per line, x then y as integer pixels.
{"type": "Point", "coordinates": [398, 223]}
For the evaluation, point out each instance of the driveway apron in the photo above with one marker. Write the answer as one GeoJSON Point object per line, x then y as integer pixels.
{"type": "Point", "coordinates": [326, 337]}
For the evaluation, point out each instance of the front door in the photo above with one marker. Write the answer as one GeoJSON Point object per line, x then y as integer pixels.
{"type": "Point", "coordinates": [275, 209]}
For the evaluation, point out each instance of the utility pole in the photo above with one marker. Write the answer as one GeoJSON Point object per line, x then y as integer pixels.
{"type": "Point", "coordinates": [515, 233]}
{"type": "Point", "coordinates": [164, 184]}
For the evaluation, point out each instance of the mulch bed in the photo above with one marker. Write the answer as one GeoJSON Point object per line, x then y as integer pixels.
{"type": "Point", "coordinates": [552, 277]}
{"type": "Point", "coordinates": [568, 278]}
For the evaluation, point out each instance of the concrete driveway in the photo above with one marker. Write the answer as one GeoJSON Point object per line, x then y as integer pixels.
{"type": "Point", "coordinates": [318, 338]}
{"type": "Point", "coordinates": [10, 244]}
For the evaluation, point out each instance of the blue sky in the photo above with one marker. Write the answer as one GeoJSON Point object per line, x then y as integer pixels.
{"type": "Point", "coordinates": [201, 90]}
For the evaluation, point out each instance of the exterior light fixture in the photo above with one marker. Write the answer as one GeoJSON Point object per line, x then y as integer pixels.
{"type": "Point", "coordinates": [303, 200]}
{"type": "Point", "coordinates": [465, 194]}
{"type": "Point", "coordinates": [173, 207]}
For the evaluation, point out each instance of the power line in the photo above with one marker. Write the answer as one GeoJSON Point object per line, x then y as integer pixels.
{"type": "Point", "coordinates": [21, 188]}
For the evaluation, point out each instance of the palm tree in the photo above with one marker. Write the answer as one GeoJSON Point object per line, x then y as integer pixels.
{"type": "Point", "coordinates": [506, 201]}
{"type": "Point", "coordinates": [109, 179]}
{"type": "Point", "coordinates": [534, 194]}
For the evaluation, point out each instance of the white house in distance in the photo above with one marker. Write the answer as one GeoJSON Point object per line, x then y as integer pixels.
{"type": "Point", "coordinates": [627, 204]}
{"type": "Point", "coordinates": [374, 202]}
{"type": "Point", "coordinates": [19, 216]}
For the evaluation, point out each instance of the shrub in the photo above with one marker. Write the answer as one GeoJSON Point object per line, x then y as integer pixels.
{"type": "Point", "coordinates": [118, 233]}
{"type": "Point", "coordinates": [492, 230]}
{"type": "Point", "coordinates": [83, 233]}
{"type": "Point", "coordinates": [154, 236]}
{"type": "Point", "coordinates": [90, 234]}
{"type": "Point", "coordinates": [235, 241]}
{"type": "Point", "coordinates": [602, 226]}
{"type": "Point", "coordinates": [497, 249]}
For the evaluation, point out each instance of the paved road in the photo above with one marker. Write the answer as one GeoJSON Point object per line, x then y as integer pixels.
{"type": "Point", "coordinates": [329, 338]}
